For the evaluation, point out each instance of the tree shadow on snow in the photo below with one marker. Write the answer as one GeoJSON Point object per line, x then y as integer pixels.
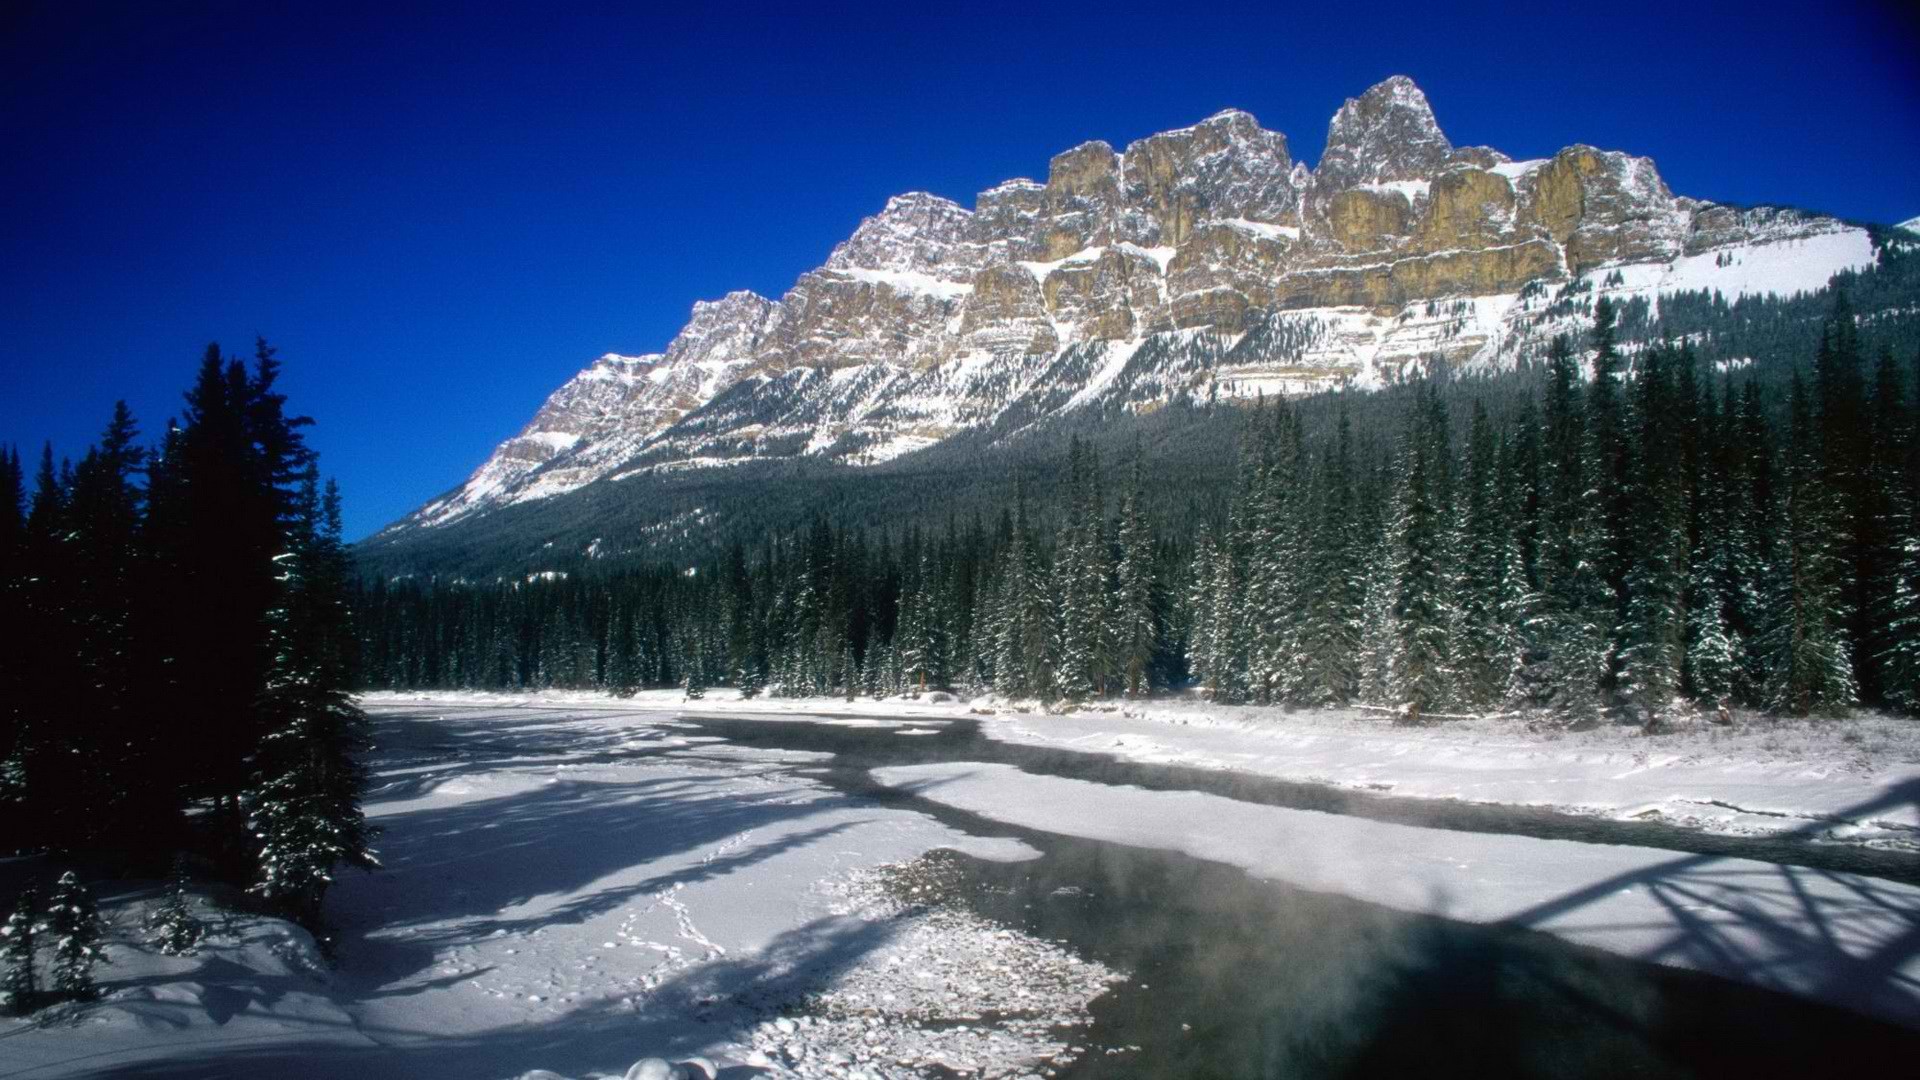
{"type": "Point", "coordinates": [703, 1005]}
{"type": "Point", "coordinates": [438, 750]}
{"type": "Point", "coordinates": [1838, 937]}
{"type": "Point", "coordinates": [496, 867]}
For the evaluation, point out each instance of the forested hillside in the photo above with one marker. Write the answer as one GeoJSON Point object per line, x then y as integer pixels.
{"type": "Point", "coordinates": [1617, 528]}
{"type": "Point", "coordinates": [1188, 446]}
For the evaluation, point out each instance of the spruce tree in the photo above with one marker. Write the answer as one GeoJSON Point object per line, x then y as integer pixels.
{"type": "Point", "coordinates": [1898, 651]}
{"type": "Point", "coordinates": [13, 520]}
{"type": "Point", "coordinates": [1610, 466]}
{"type": "Point", "coordinates": [1714, 646]}
{"type": "Point", "coordinates": [1754, 551]}
{"type": "Point", "coordinates": [1843, 456]}
{"type": "Point", "coordinates": [48, 774]}
{"type": "Point", "coordinates": [1810, 668]}
{"type": "Point", "coordinates": [15, 679]}
{"type": "Point", "coordinates": [1332, 598]}
{"type": "Point", "coordinates": [1133, 601]}
{"type": "Point", "coordinates": [1653, 634]}
{"type": "Point", "coordinates": [75, 925]}
{"type": "Point", "coordinates": [1885, 526]}
{"type": "Point", "coordinates": [20, 949]}
{"type": "Point", "coordinates": [1571, 620]}
{"type": "Point", "coordinates": [1482, 647]}
{"type": "Point", "coordinates": [1900, 660]}
{"type": "Point", "coordinates": [1419, 617]}
{"type": "Point", "coordinates": [304, 802]}
{"type": "Point", "coordinates": [111, 735]}
{"type": "Point", "coordinates": [1083, 586]}
{"type": "Point", "coordinates": [173, 928]}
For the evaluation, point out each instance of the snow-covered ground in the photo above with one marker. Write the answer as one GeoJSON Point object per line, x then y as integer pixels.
{"type": "Point", "coordinates": [574, 883]}
{"type": "Point", "coordinates": [576, 891]}
{"type": "Point", "coordinates": [1853, 781]}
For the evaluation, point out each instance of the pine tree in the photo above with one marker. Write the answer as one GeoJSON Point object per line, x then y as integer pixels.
{"type": "Point", "coordinates": [1810, 667]}
{"type": "Point", "coordinates": [222, 499]}
{"type": "Point", "coordinates": [1482, 647]}
{"type": "Point", "coordinates": [1610, 465]}
{"type": "Point", "coordinates": [173, 927]}
{"type": "Point", "coordinates": [1755, 563]}
{"type": "Point", "coordinates": [1274, 583]}
{"type": "Point", "coordinates": [1133, 601]}
{"type": "Point", "coordinates": [1575, 609]}
{"type": "Point", "coordinates": [1843, 456]}
{"type": "Point", "coordinates": [15, 680]}
{"type": "Point", "coordinates": [21, 933]}
{"type": "Point", "coordinates": [693, 683]}
{"type": "Point", "coordinates": [1714, 646]}
{"type": "Point", "coordinates": [304, 803]}
{"type": "Point", "coordinates": [1653, 634]}
{"type": "Point", "coordinates": [849, 673]}
{"type": "Point", "coordinates": [1331, 628]}
{"type": "Point", "coordinates": [76, 928]}
{"type": "Point", "coordinates": [37, 768]}
{"type": "Point", "coordinates": [1885, 528]}
{"type": "Point", "coordinates": [1420, 669]}
{"type": "Point", "coordinates": [1900, 661]}
{"type": "Point", "coordinates": [13, 520]}
{"type": "Point", "coordinates": [1025, 636]}
{"type": "Point", "coordinates": [1898, 652]}
{"type": "Point", "coordinates": [1083, 586]}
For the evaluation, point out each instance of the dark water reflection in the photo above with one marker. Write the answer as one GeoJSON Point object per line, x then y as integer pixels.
{"type": "Point", "coordinates": [1237, 977]}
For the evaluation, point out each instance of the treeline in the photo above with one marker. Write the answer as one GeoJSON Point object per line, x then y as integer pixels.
{"type": "Point", "coordinates": [1639, 532]}
{"type": "Point", "coordinates": [180, 648]}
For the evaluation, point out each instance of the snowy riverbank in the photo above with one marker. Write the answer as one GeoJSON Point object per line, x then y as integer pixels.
{"type": "Point", "coordinates": [1853, 781]}
{"type": "Point", "coordinates": [575, 891]}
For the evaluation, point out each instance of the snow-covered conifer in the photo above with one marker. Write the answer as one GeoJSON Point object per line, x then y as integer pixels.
{"type": "Point", "coordinates": [19, 946]}
{"type": "Point", "coordinates": [174, 928]}
{"type": "Point", "coordinates": [74, 923]}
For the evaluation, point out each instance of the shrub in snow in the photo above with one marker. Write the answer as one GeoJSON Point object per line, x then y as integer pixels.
{"type": "Point", "coordinates": [175, 930]}
{"type": "Point", "coordinates": [75, 924]}
{"type": "Point", "coordinates": [18, 935]}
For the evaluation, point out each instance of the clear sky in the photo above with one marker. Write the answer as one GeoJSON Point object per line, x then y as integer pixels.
{"type": "Point", "coordinates": [440, 212]}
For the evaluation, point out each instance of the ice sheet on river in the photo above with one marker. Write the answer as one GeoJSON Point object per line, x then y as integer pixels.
{"type": "Point", "coordinates": [1842, 938]}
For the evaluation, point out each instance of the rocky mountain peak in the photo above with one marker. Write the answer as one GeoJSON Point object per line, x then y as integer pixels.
{"type": "Point", "coordinates": [1200, 261]}
{"type": "Point", "coordinates": [1388, 133]}
{"type": "Point", "coordinates": [1227, 167]}
{"type": "Point", "coordinates": [728, 307]}
{"type": "Point", "coordinates": [730, 326]}
{"type": "Point", "coordinates": [915, 233]}
{"type": "Point", "coordinates": [1083, 170]}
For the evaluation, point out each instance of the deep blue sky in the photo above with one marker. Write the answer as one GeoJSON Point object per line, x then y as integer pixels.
{"type": "Point", "coordinates": [440, 214]}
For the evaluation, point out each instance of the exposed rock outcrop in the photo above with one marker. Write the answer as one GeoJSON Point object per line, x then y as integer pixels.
{"type": "Point", "coordinates": [1198, 261]}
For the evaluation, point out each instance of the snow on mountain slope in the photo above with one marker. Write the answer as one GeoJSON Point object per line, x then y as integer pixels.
{"type": "Point", "coordinates": [1196, 262]}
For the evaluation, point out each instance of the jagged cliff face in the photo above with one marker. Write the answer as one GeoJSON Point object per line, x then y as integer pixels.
{"type": "Point", "coordinates": [1198, 262]}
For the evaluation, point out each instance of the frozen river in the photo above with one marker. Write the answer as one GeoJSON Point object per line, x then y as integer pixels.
{"type": "Point", "coordinates": [573, 889]}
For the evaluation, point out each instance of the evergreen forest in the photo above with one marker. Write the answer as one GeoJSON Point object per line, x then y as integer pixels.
{"type": "Point", "coordinates": [1626, 531]}
{"type": "Point", "coordinates": [181, 653]}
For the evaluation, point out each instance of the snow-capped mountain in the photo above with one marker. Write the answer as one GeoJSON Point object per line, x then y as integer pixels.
{"type": "Point", "coordinates": [1197, 262]}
